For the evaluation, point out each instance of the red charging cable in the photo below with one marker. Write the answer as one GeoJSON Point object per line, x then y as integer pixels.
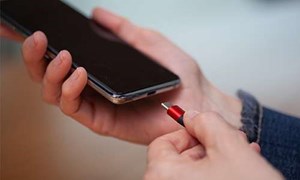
{"type": "Point", "coordinates": [174, 111]}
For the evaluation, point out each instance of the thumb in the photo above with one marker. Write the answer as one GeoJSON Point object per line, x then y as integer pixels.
{"type": "Point", "coordinates": [209, 128]}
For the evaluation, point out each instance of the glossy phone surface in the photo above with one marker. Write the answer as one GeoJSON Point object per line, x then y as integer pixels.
{"type": "Point", "coordinates": [115, 69]}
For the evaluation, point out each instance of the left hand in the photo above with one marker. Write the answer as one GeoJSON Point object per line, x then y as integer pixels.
{"type": "Point", "coordinates": [6, 32]}
{"type": "Point", "coordinates": [223, 153]}
{"type": "Point", "coordinates": [140, 121]}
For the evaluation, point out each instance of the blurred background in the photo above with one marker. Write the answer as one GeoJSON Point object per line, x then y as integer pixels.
{"type": "Point", "coordinates": [240, 44]}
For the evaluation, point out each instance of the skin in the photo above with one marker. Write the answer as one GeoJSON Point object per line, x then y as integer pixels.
{"type": "Point", "coordinates": [141, 121]}
{"type": "Point", "coordinates": [224, 153]}
{"type": "Point", "coordinates": [210, 143]}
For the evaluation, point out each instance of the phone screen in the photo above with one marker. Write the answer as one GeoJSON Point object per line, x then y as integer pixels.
{"type": "Point", "coordinates": [110, 62]}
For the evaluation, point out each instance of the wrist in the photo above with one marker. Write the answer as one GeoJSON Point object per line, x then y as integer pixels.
{"type": "Point", "coordinates": [227, 106]}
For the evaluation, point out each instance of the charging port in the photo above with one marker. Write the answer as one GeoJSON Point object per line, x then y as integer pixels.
{"type": "Point", "coordinates": [151, 93]}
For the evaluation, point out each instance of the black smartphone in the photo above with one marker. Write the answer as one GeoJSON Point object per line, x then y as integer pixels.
{"type": "Point", "coordinates": [116, 70]}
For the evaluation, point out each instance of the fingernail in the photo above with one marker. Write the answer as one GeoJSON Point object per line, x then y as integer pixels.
{"type": "Point", "coordinates": [59, 59]}
{"type": "Point", "coordinates": [75, 75]}
{"type": "Point", "coordinates": [32, 41]}
{"type": "Point", "coordinates": [190, 114]}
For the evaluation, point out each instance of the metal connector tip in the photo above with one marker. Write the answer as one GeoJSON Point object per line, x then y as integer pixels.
{"type": "Point", "coordinates": [166, 105]}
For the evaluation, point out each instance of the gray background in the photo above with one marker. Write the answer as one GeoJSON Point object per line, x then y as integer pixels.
{"type": "Point", "coordinates": [249, 44]}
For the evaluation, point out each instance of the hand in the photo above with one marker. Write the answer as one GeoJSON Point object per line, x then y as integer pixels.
{"type": "Point", "coordinates": [6, 32]}
{"type": "Point", "coordinates": [140, 121]}
{"type": "Point", "coordinates": [223, 153]}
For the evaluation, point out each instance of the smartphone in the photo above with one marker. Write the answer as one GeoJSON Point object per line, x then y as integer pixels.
{"type": "Point", "coordinates": [115, 69]}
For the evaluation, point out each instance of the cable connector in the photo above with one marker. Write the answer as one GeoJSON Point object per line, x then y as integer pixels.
{"type": "Point", "coordinates": [174, 111]}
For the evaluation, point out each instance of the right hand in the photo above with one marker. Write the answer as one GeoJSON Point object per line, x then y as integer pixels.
{"type": "Point", "coordinates": [223, 153]}
{"type": "Point", "coordinates": [140, 121]}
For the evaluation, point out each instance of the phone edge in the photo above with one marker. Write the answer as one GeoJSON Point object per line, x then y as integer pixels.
{"type": "Point", "coordinates": [105, 91]}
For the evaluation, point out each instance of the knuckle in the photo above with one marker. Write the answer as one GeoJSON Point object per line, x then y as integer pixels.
{"type": "Point", "coordinates": [35, 78]}
{"type": "Point", "coordinates": [105, 128]}
{"type": "Point", "coordinates": [52, 77]}
{"type": "Point", "coordinates": [67, 92]}
{"type": "Point", "coordinates": [99, 129]}
{"type": "Point", "coordinates": [49, 99]}
{"type": "Point", "coordinates": [69, 111]}
{"type": "Point", "coordinates": [46, 98]}
{"type": "Point", "coordinates": [149, 32]}
{"type": "Point", "coordinates": [122, 25]}
{"type": "Point", "coordinates": [149, 36]}
{"type": "Point", "coordinates": [64, 110]}
{"type": "Point", "coordinates": [49, 79]}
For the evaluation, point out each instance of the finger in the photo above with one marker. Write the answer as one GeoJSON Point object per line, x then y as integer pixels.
{"type": "Point", "coordinates": [8, 33]}
{"type": "Point", "coordinates": [255, 147]}
{"type": "Point", "coordinates": [171, 145]}
{"type": "Point", "coordinates": [209, 128]}
{"type": "Point", "coordinates": [243, 135]}
{"type": "Point", "coordinates": [85, 110]}
{"type": "Point", "coordinates": [194, 153]}
{"type": "Point", "coordinates": [55, 74]}
{"type": "Point", "coordinates": [34, 49]}
{"type": "Point", "coordinates": [118, 25]}
{"type": "Point", "coordinates": [70, 101]}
